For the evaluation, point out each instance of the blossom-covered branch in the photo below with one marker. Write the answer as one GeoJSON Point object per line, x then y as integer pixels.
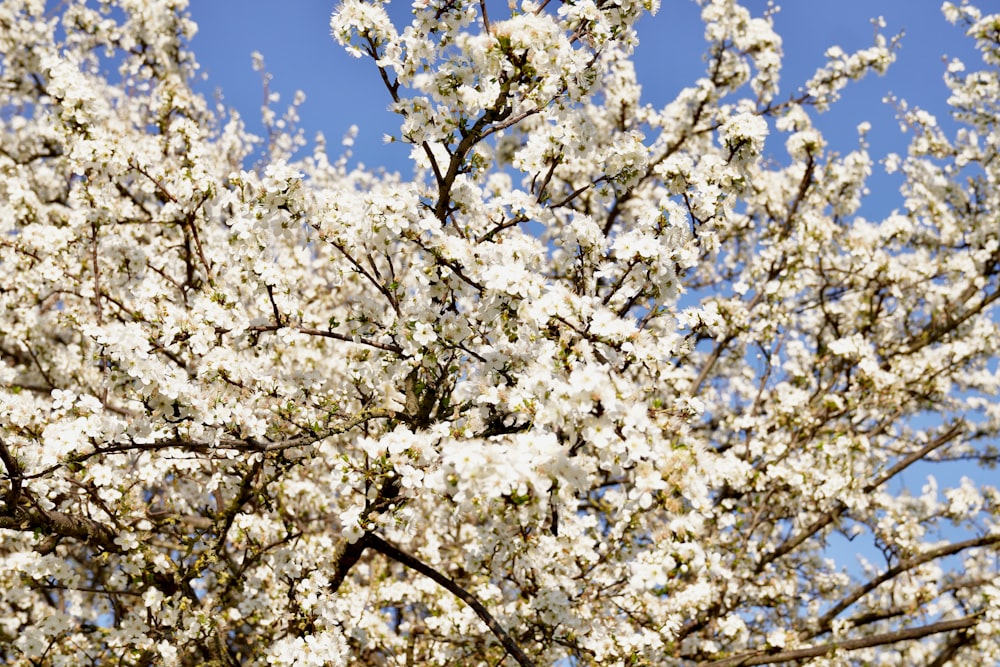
{"type": "Point", "coordinates": [383, 547]}
{"type": "Point", "coordinates": [629, 384]}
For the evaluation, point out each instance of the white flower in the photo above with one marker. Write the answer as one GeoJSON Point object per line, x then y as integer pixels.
{"type": "Point", "coordinates": [777, 638]}
{"type": "Point", "coordinates": [423, 334]}
{"type": "Point", "coordinates": [127, 540]}
{"type": "Point", "coordinates": [743, 135]}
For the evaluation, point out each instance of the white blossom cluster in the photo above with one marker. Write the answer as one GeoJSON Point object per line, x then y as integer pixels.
{"type": "Point", "coordinates": [601, 385]}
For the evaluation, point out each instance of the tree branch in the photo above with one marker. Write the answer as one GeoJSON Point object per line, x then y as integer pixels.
{"type": "Point", "coordinates": [360, 340]}
{"type": "Point", "coordinates": [902, 566]}
{"type": "Point", "coordinates": [348, 557]}
{"type": "Point", "coordinates": [65, 525]}
{"type": "Point", "coordinates": [762, 657]}
{"type": "Point", "coordinates": [386, 549]}
{"type": "Point", "coordinates": [839, 507]}
{"type": "Point", "coordinates": [905, 463]}
{"type": "Point", "coordinates": [14, 474]}
{"type": "Point", "coordinates": [388, 491]}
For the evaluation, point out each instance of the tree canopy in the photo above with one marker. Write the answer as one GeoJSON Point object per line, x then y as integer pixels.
{"type": "Point", "coordinates": [598, 384]}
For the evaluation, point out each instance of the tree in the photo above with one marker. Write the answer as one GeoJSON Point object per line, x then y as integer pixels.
{"type": "Point", "coordinates": [600, 385]}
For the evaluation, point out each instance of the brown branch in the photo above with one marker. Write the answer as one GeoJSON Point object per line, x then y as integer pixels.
{"type": "Point", "coordinates": [386, 549]}
{"type": "Point", "coordinates": [761, 657]}
{"type": "Point", "coordinates": [935, 331]}
{"type": "Point", "coordinates": [94, 242]}
{"type": "Point", "coordinates": [954, 645]}
{"type": "Point", "coordinates": [278, 319]}
{"type": "Point", "coordinates": [513, 222]}
{"type": "Point", "coordinates": [224, 522]}
{"type": "Point", "coordinates": [540, 191]}
{"type": "Point", "coordinates": [230, 444]}
{"type": "Point", "coordinates": [486, 18]}
{"type": "Point", "coordinates": [452, 265]}
{"type": "Point", "coordinates": [387, 492]}
{"type": "Point", "coordinates": [511, 120]}
{"type": "Point", "coordinates": [388, 347]}
{"type": "Point", "coordinates": [373, 279]}
{"type": "Point", "coordinates": [14, 474]}
{"type": "Point", "coordinates": [839, 506]}
{"type": "Point", "coordinates": [717, 351]}
{"type": "Point", "coordinates": [902, 566]}
{"type": "Point", "coordinates": [573, 195]}
{"type": "Point", "coordinates": [65, 525]}
{"type": "Point", "coordinates": [346, 560]}
{"type": "Point", "coordinates": [134, 164]}
{"type": "Point", "coordinates": [498, 111]}
{"type": "Point", "coordinates": [393, 88]}
{"type": "Point", "coordinates": [936, 443]}
{"type": "Point", "coordinates": [800, 195]}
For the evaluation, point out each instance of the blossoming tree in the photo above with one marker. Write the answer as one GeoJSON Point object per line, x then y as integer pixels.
{"type": "Point", "coordinates": [600, 385]}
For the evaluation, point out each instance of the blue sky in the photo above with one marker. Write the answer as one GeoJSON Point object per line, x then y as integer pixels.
{"type": "Point", "coordinates": [294, 38]}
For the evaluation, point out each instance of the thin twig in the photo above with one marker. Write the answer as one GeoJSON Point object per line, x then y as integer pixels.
{"type": "Point", "coordinates": [388, 347]}
{"type": "Point", "coordinates": [486, 18]}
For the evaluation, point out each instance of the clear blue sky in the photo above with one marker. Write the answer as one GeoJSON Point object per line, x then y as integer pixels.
{"type": "Point", "coordinates": [294, 38]}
